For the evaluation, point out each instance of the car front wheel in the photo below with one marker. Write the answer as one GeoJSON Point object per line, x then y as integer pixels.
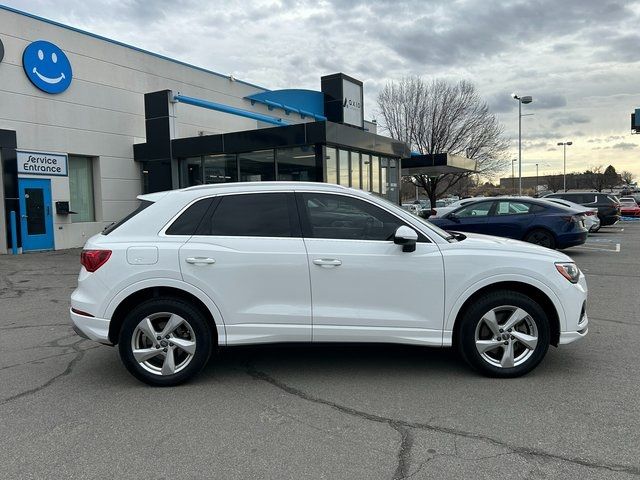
{"type": "Point", "coordinates": [504, 334]}
{"type": "Point", "coordinates": [165, 341]}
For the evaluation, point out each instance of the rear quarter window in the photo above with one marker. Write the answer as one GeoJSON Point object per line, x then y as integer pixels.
{"type": "Point", "coordinates": [143, 205]}
{"type": "Point", "coordinates": [187, 223]}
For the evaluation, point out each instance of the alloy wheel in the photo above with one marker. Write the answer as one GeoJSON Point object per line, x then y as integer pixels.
{"type": "Point", "coordinates": [506, 336]}
{"type": "Point", "coordinates": [163, 343]}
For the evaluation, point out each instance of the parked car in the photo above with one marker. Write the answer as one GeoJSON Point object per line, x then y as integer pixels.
{"type": "Point", "coordinates": [608, 205]}
{"type": "Point", "coordinates": [629, 207]}
{"type": "Point", "coordinates": [591, 219]}
{"type": "Point", "coordinates": [270, 262]}
{"type": "Point", "coordinates": [532, 220]}
{"type": "Point", "coordinates": [442, 211]}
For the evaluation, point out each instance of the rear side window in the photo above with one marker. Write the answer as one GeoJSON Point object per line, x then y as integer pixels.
{"type": "Point", "coordinates": [253, 215]}
{"type": "Point", "coordinates": [143, 204]}
{"type": "Point", "coordinates": [187, 223]}
{"type": "Point", "coordinates": [588, 198]}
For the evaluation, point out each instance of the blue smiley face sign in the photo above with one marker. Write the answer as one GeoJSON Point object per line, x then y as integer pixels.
{"type": "Point", "coordinates": [47, 66]}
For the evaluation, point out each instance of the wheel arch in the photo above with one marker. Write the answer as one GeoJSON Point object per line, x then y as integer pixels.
{"type": "Point", "coordinates": [125, 301]}
{"type": "Point", "coordinates": [540, 227]}
{"type": "Point", "coordinates": [526, 289]}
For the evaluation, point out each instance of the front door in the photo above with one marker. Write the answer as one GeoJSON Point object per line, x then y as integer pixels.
{"type": "Point", "coordinates": [364, 288]}
{"type": "Point", "coordinates": [36, 216]}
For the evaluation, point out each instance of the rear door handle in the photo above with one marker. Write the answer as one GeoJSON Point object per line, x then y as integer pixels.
{"type": "Point", "coordinates": [327, 262]}
{"type": "Point", "coordinates": [200, 260]}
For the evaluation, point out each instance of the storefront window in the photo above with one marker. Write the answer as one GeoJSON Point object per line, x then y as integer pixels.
{"type": "Point", "coordinates": [297, 164]}
{"type": "Point", "coordinates": [384, 165]}
{"type": "Point", "coordinates": [191, 172]}
{"type": "Point", "coordinates": [375, 174]}
{"type": "Point", "coordinates": [81, 189]}
{"type": "Point", "coordinates": [331, 159]}
{"type": "Point", "coordinates": [220, 169]}
{"type": "Point", "coordinates": [258, 166]}
{"type": "Point", "coordinates": [343, 167]}
{"type": "Point", "coordinates": [366, 172]}
{"type": "Point", "coordinates": [355, 169]}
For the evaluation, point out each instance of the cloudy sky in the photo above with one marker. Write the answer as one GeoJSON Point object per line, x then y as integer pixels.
{"type": "Point", "coordinates": [579, 59]}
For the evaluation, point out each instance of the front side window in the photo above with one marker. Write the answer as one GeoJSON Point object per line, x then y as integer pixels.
{"type": "Point", "coordinates": [252, 215]}
{"type": "Point", "coordinates": [346, 218]}
{"type": "Point", "coordinates": [81, 189]}
{"type": "Point", "coordinates": [475, 210]}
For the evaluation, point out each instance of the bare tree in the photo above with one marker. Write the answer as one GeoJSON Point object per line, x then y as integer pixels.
{"type": "Point", "coordinates": [596, 178]}
{"type": "Point", "coordinates": [627, 177]}
{"type": "Point", "coordinates": [555, 182]}
{"type": "Point", "coordinates": [439, 117]}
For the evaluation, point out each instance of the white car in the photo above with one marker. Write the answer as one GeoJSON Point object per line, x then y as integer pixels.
{"type": "Point", "coordinates": [248, 263]}
{"type": "Point", "coordinates": [442, 211]}
{"type": "Point", "coordinates": [591, 219]}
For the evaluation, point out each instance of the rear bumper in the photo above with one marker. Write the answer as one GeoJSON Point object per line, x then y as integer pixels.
{"type": "Point", "coordinates": [96, 329]}
{"type": "Point", "coordinates": [572, 239]}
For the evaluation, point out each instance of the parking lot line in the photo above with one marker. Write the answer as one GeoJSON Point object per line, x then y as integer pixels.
{"type": "Point", "coordinates": [616, 248]}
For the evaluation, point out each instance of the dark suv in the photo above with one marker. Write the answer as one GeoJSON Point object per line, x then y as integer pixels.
{"type": "Point", "coordinates": [608, 205]}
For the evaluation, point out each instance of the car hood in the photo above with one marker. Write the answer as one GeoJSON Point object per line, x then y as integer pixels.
{"type": "Point", "coordinates": [489, 242]}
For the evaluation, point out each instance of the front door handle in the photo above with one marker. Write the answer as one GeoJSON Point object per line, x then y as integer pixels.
{"type": "Point", "coordinates": [327, 262]}
{"type": "Point", "coordinates": [200, 260]}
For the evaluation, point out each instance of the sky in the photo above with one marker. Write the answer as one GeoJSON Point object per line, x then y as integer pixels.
{"type": "Point", "coordinates": [578, 59]}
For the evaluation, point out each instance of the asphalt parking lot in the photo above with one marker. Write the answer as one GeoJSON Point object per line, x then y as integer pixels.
{"type": "Point", "coordinates": [69, 409]}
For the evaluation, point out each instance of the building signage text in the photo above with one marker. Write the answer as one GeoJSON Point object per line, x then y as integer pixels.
{"type": "Point", "coordinates": [42, 163]}
{"type": "Point", "coordinates": [353, 113]}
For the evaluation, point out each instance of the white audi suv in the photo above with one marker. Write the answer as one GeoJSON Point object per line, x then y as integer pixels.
{"type": "Point", "coordinates": [247, 263]}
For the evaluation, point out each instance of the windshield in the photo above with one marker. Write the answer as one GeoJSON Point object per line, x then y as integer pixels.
{"type": "Point", "coordinates": [431, 226]}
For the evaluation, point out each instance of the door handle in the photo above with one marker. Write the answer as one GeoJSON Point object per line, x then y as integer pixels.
{"type": "Point", "coordinates": [327, 262]}
{"type": "Point", "coordinates": [200, 260]}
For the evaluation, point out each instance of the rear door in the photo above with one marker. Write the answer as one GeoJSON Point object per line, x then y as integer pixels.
{"type": "Point", "coordinates": [510, 218]}
{"type": "Point", "coordinates": [249, 257]}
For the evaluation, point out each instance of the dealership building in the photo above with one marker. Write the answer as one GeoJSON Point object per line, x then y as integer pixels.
{"type": "Point", "coordinates": [87, 124]}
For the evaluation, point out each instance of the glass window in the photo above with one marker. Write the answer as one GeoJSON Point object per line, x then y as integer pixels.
{"type": "Point", "coordinates": [81, 189]}
{"type": "Point", "coordinates": [348, 218]}
{"type": "Point", "coordinates": [375, 174]}
{"type": "Point", "coordinates": [191, 171]}
{"type": "Point", "coordinates": [297, 164]}
{"type": "Point", "coordinates": [258, 166]}
{"type": "Point", "coordinates": [343, 167]}
{"type": "Point", "coordinates": [331, 159]}
{"type": "Point", "coordinates": [220, 169]}
{"type": "Point", "coordinates": [384, 185]}
{"type": "Point", "coordinates": [252, 215]}
{"type": "Point", "coordinates": [512, 208]}
{"type": "Point", "coordinates": [366, 172]}
{"type": "Point", "coordinates": [475, 210]}
{"type": "Point", "coordinates": [187, 223]}
{"type": "Point", "coordinates": [355, 170]}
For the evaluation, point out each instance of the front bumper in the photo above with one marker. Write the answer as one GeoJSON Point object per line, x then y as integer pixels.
{"type": "Point", "coordinates": [580, 333]}
{"type": "Point", "coordinates": [93, 328]}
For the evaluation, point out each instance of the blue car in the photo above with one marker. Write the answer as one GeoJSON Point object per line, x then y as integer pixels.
{"type": "Point", "coordinates": [533, 220]}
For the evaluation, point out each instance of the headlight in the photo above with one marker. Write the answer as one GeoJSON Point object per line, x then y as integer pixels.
{"type": "Point", "coordinates": [569, 270]}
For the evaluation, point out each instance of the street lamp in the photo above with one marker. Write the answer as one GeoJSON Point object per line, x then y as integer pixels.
{"type": "Point", "coordinates": [513, 177]}
{"type": "Point", "coordinates": [525, 99]}
{"type": "Point", "coordinates": [564, 155]}
{"type": "Point", "coordinates": [536, 192]}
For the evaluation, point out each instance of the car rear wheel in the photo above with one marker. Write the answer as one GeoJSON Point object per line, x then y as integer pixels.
{"type": "Point", "coordinates": [165, 341]}
{"type": "Point", "coordinates": [541, 237]}
{"type": "Point", "coordinates": [504, 334]}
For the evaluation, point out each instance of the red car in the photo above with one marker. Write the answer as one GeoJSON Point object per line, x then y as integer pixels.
{"type": "Point", "coordinates": [629, 207]}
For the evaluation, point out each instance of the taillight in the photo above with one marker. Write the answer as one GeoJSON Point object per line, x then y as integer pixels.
{"type": "Point", "coordinates": [92, 260]}
{"type": "Point", "coordinates": [589, 214]}
{"type": "Point", "coordinates": [571, 218]}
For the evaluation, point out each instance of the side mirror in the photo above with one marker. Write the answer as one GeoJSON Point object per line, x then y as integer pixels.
{"type": "Point", "coordinates": [453, 217]}
{"type": "Point", "coordinates": [407, 237]}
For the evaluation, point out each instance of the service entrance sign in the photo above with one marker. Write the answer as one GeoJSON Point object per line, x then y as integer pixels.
{"type": "Point", "coordinates": [36, 163]}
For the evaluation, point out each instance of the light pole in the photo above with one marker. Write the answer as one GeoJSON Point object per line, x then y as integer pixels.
{"type": "Point", "coordinates": [525, 99]}
{"type": "Point", "coordinates": [513, 177]}
{"type": "Point", "coordinates": [564, 156]}
{"type": "Point", "coordinates": [536, 192]}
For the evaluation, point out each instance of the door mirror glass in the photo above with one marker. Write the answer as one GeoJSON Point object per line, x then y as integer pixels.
{"type": "Point", "coordinates": [407, 237]}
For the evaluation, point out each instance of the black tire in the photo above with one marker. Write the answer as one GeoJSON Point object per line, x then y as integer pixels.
{"type": "Point", "coordinates": [595, 229]}
{"type": "Point", "coordinates": [541, 237]}
{"type": "Point", "coordinates": [200, 330]}
{"type": "Point", "coordinates": [466, 337]}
